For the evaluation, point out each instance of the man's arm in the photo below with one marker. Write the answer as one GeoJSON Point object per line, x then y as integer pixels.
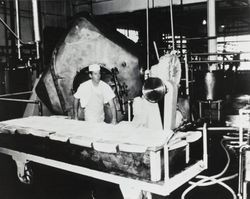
{"type": "Point", "coordinates": [113, 111]}
{"type": "Point", "coordinates": [76, 107]}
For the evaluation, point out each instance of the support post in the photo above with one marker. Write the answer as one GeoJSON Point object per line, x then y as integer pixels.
{"type": "Point", "coordinates": [18, 30]}
{"type": "Point", "coordinates": [147, 30]}
{"type": "Point", "coordinates": [211, 29]}
{"type": "Point", "coordinates": [36, 27]}
{"type": "Point", "coordinates": [155, 166]}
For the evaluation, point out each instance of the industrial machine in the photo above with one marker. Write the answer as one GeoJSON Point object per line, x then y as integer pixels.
{"type": "Point", "coordinates": [242, 122]}
{"type": "Point", "coordinates": [117, 153]}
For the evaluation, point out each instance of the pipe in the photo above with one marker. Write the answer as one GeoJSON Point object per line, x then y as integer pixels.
{"type": "Point", "coordinates": [204, 140]}
{"type": "Point", "coordinates": [12, 27]}
{"type": "Point", "coordinates": [5, 31]}
{"type": "Point", "coordinates": [200, 38]}
{"type": "Point", "coordinates": [147, 32]}
{"type": "Point", "coordinates": [186, 75]}
{"type": "Point", "coordinates": [37, 38]}
{"type": "Point", "coordinates": [35, 21]}
{"type": "Point", "coordinates": [7, 80]}
{"type": "Point", "coordinates": [40, 108]}
{"type": "Point", "coordinates": [241, 169]}
{"type": "Point", "coordinates": [39, 103]}
{"type": "Point", "coordinates": [19, 100]}
{"type": "Point", "coordinates": [211, 28]}
{"type": "Point", "coordinates": [129, 110]}
{"type": "Point", "coordinates": [213, 179]}
{"type": "Point", "coordinates": [204, 54]}
{"type": "Point", "coordinates": [219, 61]}
{"type": "Point", "coordinates": [219, 128]}
{"type": "Point", "coordinates": [18, 30]}
{"type": "Point", "coordinates": [233, 41]}
{"type": "Point", "coordinates": [172, 24]}
{"type": "Point", "coordinates": [156, 51]}
{"type": "Point", "coordinates": [14, 94]}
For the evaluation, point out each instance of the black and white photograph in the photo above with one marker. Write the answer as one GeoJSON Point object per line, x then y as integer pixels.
{"type": "Point", "coordinates": [124, 99]}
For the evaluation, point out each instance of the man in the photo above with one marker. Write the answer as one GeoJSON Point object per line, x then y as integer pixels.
{"type": "Point", "coordinates": [93, 94]}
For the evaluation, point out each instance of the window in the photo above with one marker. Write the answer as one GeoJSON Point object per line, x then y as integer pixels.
{"type": "Point", "coordinates": [131, 34]}
{"type": "Point", "coordinates": [236, 44]}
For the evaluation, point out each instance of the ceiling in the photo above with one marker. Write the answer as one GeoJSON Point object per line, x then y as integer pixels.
{"type": "Point", "coordinates": [232, 18]}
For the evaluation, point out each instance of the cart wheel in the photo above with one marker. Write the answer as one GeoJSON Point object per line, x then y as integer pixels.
{"type": "Point", "coordinates": [27, 176]}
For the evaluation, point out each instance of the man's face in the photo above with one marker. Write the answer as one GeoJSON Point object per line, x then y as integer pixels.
{"type": "Point", "coordinates": [95, 76]}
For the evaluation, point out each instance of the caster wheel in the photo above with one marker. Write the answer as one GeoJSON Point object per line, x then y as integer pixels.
{"type": "Point", "coordinates": [27, 177]}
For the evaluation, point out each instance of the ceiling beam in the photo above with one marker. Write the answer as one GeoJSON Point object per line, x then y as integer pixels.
{"type": "Point", "coordinates": [102, 7]}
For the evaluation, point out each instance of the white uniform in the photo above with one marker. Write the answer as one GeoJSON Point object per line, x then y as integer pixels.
{"type": "Point", "coordinates": [92, 98]}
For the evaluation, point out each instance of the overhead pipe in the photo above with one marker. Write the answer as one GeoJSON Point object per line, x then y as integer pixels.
{"type": "Point", "coordinates": [18, 30]}
{"type": "Point", "coordinates": [200, 38]}
{"type": "Point", "coordinates": [206, 54]}
{"type": "Point", "coordinates": [37, 38]}
{"type": "Point", "coordinates": [218, 61]}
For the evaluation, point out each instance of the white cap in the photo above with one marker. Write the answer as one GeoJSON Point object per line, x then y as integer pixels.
{"type": "Point", "coordinates": [94, 67]}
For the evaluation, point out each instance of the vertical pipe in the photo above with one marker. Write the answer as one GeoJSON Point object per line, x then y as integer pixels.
{"type": "Point", "coordinates": [36, 26]}
{"type": "Point", "coordinates": [12, 26]}
{"type": "Point", "coordinates": [129, 111]}
{"type": "Point", "coordinates": [240, 179]}
{"type": "Point", "coordinates": [204, 136]}
{"type": "Point", "coordinates": [181, 32]}
{"type": "Point", "coordinates": [211, 28]}
{"type": "Point", "coordinates": [200, 109]}
{"type": "Point", "coordinates": [186, 75]}
{"type": "Point", "coordinates": [6, 32]}
{"type": "Point", "coordinates": [18, 30]}
{"type": "Point", "coordinates": [7, 79]}
{"type": "Point", "coordinates": [187, 148]}
{"type": "Point", "coordinates": [172, 24]}
{"type": "Point", "coordinates": [40, 108]}
{"type": "Point", "coordinates": [166, 164]}
{"type": "Point", "coordinates": [241, 113]}
{"type": "Point", "coordinates": [6, 68]}
{"type": "Point", "coordinates": [147, 30]}
{"type": "Point", "coordinates": [155, 165]}
{"type": "Point", "coordinates": [244, 191]}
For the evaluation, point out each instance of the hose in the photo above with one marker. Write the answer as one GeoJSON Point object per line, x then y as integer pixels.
{"type": "Point", "coordinates": [210, 180]}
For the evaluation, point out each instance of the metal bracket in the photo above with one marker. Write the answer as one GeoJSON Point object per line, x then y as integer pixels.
{"type": "Point", "coordinates": [24, 172]}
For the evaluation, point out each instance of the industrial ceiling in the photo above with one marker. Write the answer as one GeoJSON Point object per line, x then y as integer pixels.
{"type": "Point", "coordinates": [232, 16]}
